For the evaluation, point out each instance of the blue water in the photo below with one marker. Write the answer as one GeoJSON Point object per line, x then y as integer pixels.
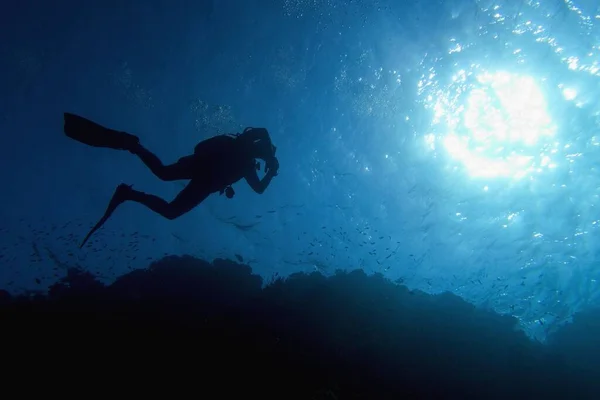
{"type": "Point", "coordinates": [449, 145]}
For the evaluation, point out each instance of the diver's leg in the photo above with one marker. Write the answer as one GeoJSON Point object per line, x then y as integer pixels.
{"type": "Point", "coordinates": [192, 195]}
{"type": "Point", "coordinates": [182, 169]}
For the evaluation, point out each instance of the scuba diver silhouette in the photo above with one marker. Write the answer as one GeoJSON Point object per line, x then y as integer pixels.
{"type": "Point", "coordinates": [217, 163]}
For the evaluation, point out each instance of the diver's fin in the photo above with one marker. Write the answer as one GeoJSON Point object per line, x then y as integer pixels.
{"type": "Point", "coordinates": [88, 132]}
{"type": "Point", "coordinates": [119, 197]}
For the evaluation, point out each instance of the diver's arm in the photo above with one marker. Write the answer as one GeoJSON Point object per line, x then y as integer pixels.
{"type": "Point", "coordinates": [259, 185]}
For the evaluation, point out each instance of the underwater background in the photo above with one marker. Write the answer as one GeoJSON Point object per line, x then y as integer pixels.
{"type": "Point", "coordinates": [440, 147]}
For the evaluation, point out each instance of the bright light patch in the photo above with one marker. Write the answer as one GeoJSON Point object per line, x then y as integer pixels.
{"type": "Point", "coordinates": [430, 141]}
{"type": "Point", "coordinates": [569, 94]}
{"type": "Point", "coordinates": [501, 129]}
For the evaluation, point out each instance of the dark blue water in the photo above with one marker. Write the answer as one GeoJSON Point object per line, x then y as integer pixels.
{"type": "Point", "coordinates": [448, 146]}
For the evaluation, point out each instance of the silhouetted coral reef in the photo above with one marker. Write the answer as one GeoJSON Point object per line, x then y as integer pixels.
{"type": "Point", "coordinates": [213, 329]}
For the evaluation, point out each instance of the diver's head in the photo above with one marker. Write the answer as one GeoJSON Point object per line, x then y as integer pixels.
{"type": "Point", "coordinates": [260, 143]}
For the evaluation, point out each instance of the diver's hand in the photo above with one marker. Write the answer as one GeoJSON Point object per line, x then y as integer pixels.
{"type": "Point", "coordinates": [272, 166]}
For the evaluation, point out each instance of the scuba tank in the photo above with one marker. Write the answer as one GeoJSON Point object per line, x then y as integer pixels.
{"type": "Point", "coordinates": [215, 149]}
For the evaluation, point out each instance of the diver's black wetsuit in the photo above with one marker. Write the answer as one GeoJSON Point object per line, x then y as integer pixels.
{"type": "Point", "coordinates": [206, 174]}
{"type": "Point", "coordinates": [217, 163]}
